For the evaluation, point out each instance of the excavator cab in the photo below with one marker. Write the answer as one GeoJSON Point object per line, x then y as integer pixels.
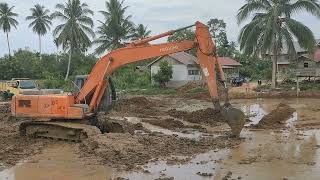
{"type": "Point", "coordinates": [108, 98]}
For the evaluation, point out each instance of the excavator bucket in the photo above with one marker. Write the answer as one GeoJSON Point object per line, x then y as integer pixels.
{"type": "Point", "coordinates": [234, 117]}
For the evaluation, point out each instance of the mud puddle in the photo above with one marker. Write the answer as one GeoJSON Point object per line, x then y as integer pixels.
{"type": "Point", "coordinates": [194, 134]}
{"type": "Point", "coordinates": [58, 161]}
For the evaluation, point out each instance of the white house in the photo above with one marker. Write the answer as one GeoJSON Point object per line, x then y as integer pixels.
{"type": "Point", "coordinates": [186, 68]}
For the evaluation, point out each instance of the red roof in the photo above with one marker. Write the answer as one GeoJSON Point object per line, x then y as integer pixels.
{"type": "Point", "coordinates": [317, 55]}
{"type": "Point", "coordinates": [227, 61]}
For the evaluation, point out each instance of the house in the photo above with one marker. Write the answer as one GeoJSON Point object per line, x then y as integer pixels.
{"type": "Point", "coordinates": [186, 68]}
{"type": "Point", "coordinates": [309, 65]}
{"type": "Point", "coordinates": [284, 59]}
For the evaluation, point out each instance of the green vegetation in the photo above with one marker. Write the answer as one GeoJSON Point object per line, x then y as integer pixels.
{"type": "Point", "coordinates": [253, 67]}
{"type": "Point", "coordinates": [141, 32]}
{"type": "Point", "coordinates": [7, 21]}
{"type": "Point", "coordinates": [73, 33]}
{"type": "Point", "coordinates": [217, 28]}
{"type": "Point", "coordinates": [272, 27]}
{"type": "Point", "coordinates": [116, 29]}
{"type": "Point", "coordinates": [41, 22]}
{"type": "Point", "coordinates": [164, 74]}
{"type": "Point", "coordinates": [48, 70]}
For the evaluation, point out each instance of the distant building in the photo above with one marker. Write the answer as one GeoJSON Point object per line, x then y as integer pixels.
{"type": "Point", "coordinates": [284, 59]}
{"type": "Point", "coordinates": [186, 68]}
{"type": "Point", "coordinates": [309, 65]}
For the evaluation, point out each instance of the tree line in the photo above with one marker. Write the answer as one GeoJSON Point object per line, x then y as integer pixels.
{"type": "Point", "coordinates": [270, 30]}
{"type": "Point", "coordinates": [75, 33]}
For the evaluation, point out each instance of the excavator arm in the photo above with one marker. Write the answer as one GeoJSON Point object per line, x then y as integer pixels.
{"type": "Point", "coordinates": [96, 83]}
{"type": "Point", "coordinates": [86, 102]}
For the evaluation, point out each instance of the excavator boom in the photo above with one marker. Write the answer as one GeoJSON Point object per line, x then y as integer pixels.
{"type": "Point", "coordinates": [86, 102]}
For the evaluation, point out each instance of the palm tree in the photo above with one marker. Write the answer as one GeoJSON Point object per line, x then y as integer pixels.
{"type": "Point", "coordinates": [272, 28]}
{"type": "Point", "coordinates": [41, 21]}
{"type": "Point", "coordinates": [7, 20]}
{"type": "Point", "coordinates": [56, 43]}
{"type": "Point", "coordinates": [74, 33]}
{"type": "Point", "coordinates": [141, 32]}
{"type": "Point", "coordinates": [116, 29]}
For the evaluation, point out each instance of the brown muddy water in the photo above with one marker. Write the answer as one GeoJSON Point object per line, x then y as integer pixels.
{"type": "Point", "coordinates": [290, 153]}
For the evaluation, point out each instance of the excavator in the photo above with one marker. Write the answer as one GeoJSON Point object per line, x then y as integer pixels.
{"type": "Point", "coordinates": [69, 116]}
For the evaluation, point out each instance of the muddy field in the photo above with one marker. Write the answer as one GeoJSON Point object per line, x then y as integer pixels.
{"type": "Point", "coordinates": [162, 137]}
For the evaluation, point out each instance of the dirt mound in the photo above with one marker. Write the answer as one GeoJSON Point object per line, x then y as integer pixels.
{"type": "Point", "coordinates": [187, 87]}
{"type": "Point", "coordinates": [205, 116]}
{"type": "Point", "coordinates": [136, 106]}
{"type": "Point", "coordinates": [276, 118]}
{"type": "Point", "coordinates": [125, 151]}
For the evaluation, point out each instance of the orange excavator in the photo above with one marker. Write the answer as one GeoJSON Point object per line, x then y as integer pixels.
{"type": "Point", "coordinates": [62, 115]}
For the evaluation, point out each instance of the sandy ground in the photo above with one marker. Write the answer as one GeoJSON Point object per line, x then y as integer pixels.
{"type": "Point", "coordinates": [168, 137]}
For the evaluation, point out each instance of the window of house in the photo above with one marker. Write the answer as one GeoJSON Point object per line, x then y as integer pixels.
{"type": "Point", "coordinates": [193, 72]}
{"type": "Point", "coordinates": [306, 65]}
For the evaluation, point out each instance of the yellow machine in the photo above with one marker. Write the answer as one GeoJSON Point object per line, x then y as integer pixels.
{"type": "Point", "coordinates": [16, 86]}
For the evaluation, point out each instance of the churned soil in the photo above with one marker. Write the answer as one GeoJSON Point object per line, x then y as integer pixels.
{"type": "Point", "coordinates": [204, 116]}
{"type": "Point", "coordinates": [127, 152]}
{"type": "Point", "coordinates": [137, 106]}
{"type": "Point", "coordinates": [276, 118]}
{"type": "Point", "coordinates": [173, 124]}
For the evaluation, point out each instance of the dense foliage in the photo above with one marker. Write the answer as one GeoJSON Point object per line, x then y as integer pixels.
{"type": "Point", "coordinates": [254, 67]}
{"type": "Point", "coordinates": [164, 74]}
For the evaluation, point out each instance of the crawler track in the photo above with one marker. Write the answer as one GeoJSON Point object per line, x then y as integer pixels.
{"type": "Point", "coordinates": [58, 130]}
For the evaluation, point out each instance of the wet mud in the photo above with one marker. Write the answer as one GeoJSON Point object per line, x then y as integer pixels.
{"type": "Point", "coordinates": [13, 147]}
{"type": "Point", "coordinates": [132, 151]}
{"type": "Point", "coordinates": [125, 151]}
{"type": "Point", "coordinates": [137, 106]}
{"type": "Point", "coordinates": [175, 125]}
{"type": "Point", "coordinates": [204, 116]}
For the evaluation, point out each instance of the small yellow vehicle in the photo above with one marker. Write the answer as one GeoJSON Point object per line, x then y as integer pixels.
{"type": "Point", "coordinates": [16, 86]}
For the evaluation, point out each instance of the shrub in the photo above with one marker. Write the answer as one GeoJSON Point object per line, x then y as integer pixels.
{"type": "Point", "coordinates": [164, 74]}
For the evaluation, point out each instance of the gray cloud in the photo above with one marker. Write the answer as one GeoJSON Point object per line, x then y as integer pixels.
{"type": "Point", "coordinates": [158, 15]}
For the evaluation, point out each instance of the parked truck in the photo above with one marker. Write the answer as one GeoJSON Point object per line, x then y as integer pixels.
{"type": "Point", "coordinates": [16, 86]}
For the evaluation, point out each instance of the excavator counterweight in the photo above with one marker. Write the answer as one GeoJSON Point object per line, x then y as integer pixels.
{"type": "Point", "coordinates": [86, 103]}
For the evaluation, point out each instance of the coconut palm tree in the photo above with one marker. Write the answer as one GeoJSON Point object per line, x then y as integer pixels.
{"type": "Point", "coordinates": [7, 20]}
{"type": "Point", "coordinates": [272, 28]}
{"type": "Point", "coordinates": [116, 28]}
{"type": "Point", "coordinates": [73, 34]}
{"type": "Point", "coordinates": [56, 43]}
{"type": "Point", "coordinates": [41, 21]}
{"type": "Point", "coordinates": [141, 32]}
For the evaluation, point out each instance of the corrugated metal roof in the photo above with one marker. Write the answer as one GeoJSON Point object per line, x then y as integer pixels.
{"type": "Point", "coordinates": [227, 61]}
{"type": "Point", "coordinates": [184, 58]}
{"type": "Point", "coordinates": [188, 59]}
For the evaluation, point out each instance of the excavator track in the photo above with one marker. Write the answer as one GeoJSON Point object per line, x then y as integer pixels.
{"type": "Point", "coordinates": [67, 131]}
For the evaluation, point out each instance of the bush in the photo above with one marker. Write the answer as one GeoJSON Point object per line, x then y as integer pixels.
{"type": "Point", "coordinates": [164, 74]}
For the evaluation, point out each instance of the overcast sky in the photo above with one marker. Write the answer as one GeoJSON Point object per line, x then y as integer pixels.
{"type": "Point", "coordinates": [158, 15]}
